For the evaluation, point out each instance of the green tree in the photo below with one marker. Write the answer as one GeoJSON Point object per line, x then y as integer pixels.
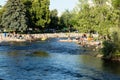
{"type": "Point", "coordinates": [54, 23]}
{"type": "Point", "coordinates": [28, 6]}
{"type": "Point", "coordinates": [93, 18]}
{"type": "Point", "coordinates": [83, 17]}
{"type": "Point", "coordinates": [81, 3]}
{"type": "Point", "coordinates": [116, 4]}
{"type": "Point", "coordinates": [40, 12]}
{"type": "Point", "coordinates": [65, 20]}
{"type": "Point", "coordinates": [100, 2]}
{"type": "Point", "coordinates": [1, 13]}
{"type": "Point", "coordinates": [111, 49]}
{"type": "Point", "coordinates": [14, 18]}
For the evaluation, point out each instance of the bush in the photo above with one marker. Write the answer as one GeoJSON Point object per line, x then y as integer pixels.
{"type": "Point", "coordinates": [111, 48]}
{"type": "Point", "coordinates": [108, 49]}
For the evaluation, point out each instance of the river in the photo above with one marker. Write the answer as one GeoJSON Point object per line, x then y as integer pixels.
{"type": "Point", "coordinates": [53, 60]}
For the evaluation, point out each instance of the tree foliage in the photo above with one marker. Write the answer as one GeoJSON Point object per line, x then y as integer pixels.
{"type": "Point", "coordinates": [66, 20]}
{"type": "Point", "coordinates": [99, 17]}
{"type": "Point", "coordinates": [111, 49]}
{"type": "Point", "coordinates": [28, 6]}
{"type": "Point", "coordinates": [40, 12]}
{"type": "Point", "coordinates": [116, 4]}
{"type": "Point", "coordinates": [14, 18]}
{"type": "Point", "coordinates": [54, 23]}
{"type": "Point", "coordinates": [20, 15]}
{"type": "Point", "coordinates": [1, 13]}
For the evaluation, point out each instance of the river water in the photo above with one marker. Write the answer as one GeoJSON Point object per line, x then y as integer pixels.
{"type": "Point", "coordinates": [53, 60]}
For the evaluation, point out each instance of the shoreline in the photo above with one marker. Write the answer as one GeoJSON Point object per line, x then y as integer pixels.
{"type": "Point", "coordinates": [33, 37]}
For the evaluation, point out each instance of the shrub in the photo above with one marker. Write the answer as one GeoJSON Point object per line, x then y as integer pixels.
{"type": "Point", "coordinates": [111, 48]}
{"type": "Point", "coordinates": [108, 49]}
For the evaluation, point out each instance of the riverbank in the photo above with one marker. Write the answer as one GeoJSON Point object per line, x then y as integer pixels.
{"type": "Point", "coordinates": [98, 54]}
{"type": "Point", "coordinates": [31, 37]}
{"type": "Point", "coordinates": [27, 37]}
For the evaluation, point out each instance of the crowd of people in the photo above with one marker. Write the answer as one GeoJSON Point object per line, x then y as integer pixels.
{"type": "Point", "coordinates": [85, 40]}
{"type": "Point", "coordinates": [88, 40]}
{"type": "Point", "coordinates": [20, 37]}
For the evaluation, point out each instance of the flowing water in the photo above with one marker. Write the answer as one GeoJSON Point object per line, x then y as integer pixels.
{"type": "Point", "coordinates": [53, 60]}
